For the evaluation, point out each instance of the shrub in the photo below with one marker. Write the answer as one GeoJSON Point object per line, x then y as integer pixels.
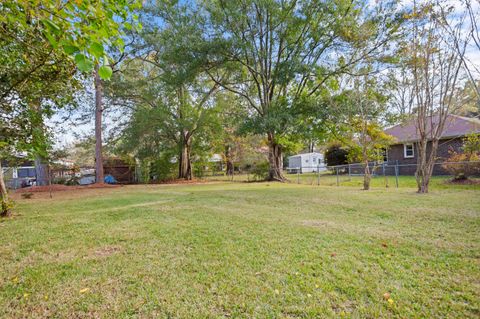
{"type": "Point", "coordinates": [74, 180]}
{"type": "Point", "coordinates": [471, 143]}
{"type": "Point", "coordinates": [336, 155]}
{"type": "Point", "coordinates": [462, 165]}
{"type": "Point", "coordinates": [163, 169]}
{"type": "Point", "coordinates": [260, 170]}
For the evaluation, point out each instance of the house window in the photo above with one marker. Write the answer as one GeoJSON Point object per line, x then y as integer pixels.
{"type": "Point", "coordinates": [383, 155]}
{"type": "Point", "coordinates": [26, 172]}
{"type": "Point", "coordinates": [408, 151]}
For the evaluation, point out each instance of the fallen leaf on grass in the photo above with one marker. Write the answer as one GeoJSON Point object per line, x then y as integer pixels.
{"type": "Point", "coordinates": [386, 296]}
{"type": "Point", "coordinates": [84, 290]}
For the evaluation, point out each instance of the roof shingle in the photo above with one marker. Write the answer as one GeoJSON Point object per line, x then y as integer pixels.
{"type": "Point", "coordinates": [455, 126]}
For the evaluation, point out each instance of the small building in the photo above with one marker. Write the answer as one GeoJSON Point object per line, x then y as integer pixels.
{"type": "Point", "coordinates": [21, 174]}
{"type": "Point", "coordinates": [87, 179]}
{"type": "Point", "coordinates": [404, 151]}
{"type": "Point", "coordinates": [121, 170]}
{"type": "Point", "coordinates": [306, 163]}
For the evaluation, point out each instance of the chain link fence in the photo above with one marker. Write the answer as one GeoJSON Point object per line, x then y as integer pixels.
{"type": "Point", "coordinates": [383, 174]}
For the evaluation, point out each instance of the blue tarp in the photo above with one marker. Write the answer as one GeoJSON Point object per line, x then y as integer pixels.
{"type": "Point", "coordinates": [109, 179]}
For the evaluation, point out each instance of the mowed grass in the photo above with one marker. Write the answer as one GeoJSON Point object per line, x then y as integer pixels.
{"type": "Point", "coordinates": [239, 250]}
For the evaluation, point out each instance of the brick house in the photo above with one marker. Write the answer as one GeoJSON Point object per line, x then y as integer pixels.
{"type": "Point", "coordinates": [404, 151]}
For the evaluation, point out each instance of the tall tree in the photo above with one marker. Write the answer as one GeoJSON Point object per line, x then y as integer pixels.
{"type": "Point", "coordinates": [436, 70]}
{"type": "Point", "coordinates": [361, 112]}
{"type": "Point", "coordinates": [461, 23]}
{"type": "Point", "coordinates": [99, 178]}
{"type": "Point", "coordinates": [277, 53]}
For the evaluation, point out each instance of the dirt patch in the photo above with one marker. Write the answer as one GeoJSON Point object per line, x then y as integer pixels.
{"type": "Point", "coordinates": [318, 223]}
{"type": "Point", "coordinates": [104, 252]}
{"type": "Point", "coordinates": [59, 188]}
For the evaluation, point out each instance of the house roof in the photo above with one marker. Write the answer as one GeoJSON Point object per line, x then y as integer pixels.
{"type": "Point", "coordinates": [455, 126]}
{"type": "Point", "coordinates": [17, 163]}
{"type": "Point", "coordinates": [305, 154]}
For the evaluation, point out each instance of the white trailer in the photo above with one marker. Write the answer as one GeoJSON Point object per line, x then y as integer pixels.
{"type": "Point", "coordinates": [306, 163]}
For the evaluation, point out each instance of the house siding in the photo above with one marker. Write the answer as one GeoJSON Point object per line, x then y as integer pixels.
{"type": "Point", "coordinates": [445, 146]}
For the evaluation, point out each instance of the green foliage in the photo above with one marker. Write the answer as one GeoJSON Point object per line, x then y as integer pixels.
{"type": "Point", "coordinates": [81, 28]}
{"type": "Point", "coordinates": [282, 55]}
{"type": "Point", "coordinates": [162, 168]}
{"type": "Point", "coordinates": [336, 155]}
{"type": "Point", "coordinates": [471, 144]}
{"type": "Point", "coordinates": [371, 142]}
{"type": "Point", "coordinates": [462, 165]}
{"type": "Point", "coordinates": [105, 72]}
{"type": "Point", "coordinates": [6, 207]}
{"type": "Point", "coordinates": [171, 95]}
{"type": "Point", "coordinates": [260, 170]}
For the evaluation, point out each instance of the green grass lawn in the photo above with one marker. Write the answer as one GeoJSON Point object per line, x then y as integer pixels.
{"type": "Point", "coordinates": [242, 250]}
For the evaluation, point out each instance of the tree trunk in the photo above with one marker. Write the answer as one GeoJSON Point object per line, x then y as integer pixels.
{"type": "Point", "coordinates": [40, 140]}
{"type": "Point", "coordinates": [425, 165]}
{"type": "Point", "coordinates": [228, 159]}
{"type": "Point", "coordinates": [98, 128]}
{"type": "Point", "coordinates": [275, 160]}
{"type": "Point", "coordinates": [367, 176]}
{"type": "Point", "coordinates": [311, 146]}
{"type": "Point", "coordinates": [41, 171]}
{"type": "Point", "coordinates": [184, 163]}
{"type": "Point", "coordinates": [5, 205]}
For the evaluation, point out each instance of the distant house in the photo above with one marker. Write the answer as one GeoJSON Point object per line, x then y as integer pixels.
{"type": "Point", "coordinates": [19, 175]}
{"type": "Point", "coordinates": [404, 151]}
{"type": "Point", "coordinates": [306, 163]}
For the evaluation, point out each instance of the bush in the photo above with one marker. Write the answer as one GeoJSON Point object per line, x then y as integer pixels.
{"type": "Point", "coordinates": [260, 170]}
{"type": "Point", "coordinates": [74, 180]}
{"type": "Point", "coordinates": [336, 155]}
{"type": "Point", "coordinates": [163, 169]}
{"type": "Point", "coordinates": [462, 165]}
{"type": "Point", "coordinates": [66, 181]}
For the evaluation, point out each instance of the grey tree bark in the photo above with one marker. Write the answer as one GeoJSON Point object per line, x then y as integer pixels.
{"type": "Point", "coordinates": [98, 128]}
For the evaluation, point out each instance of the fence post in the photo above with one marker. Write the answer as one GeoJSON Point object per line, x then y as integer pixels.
{"type": "Point", "coordinates": [338, 183]}
{"type": "Point", "coordinates": [396, 173]}
{"type": "Point", "coordinates": [385, 175]}
{"type": "Point", "coordinates": [318, 176]}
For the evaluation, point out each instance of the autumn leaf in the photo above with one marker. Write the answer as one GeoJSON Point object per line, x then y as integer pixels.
{"type": "Point", "coordinates": [84, 290]}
